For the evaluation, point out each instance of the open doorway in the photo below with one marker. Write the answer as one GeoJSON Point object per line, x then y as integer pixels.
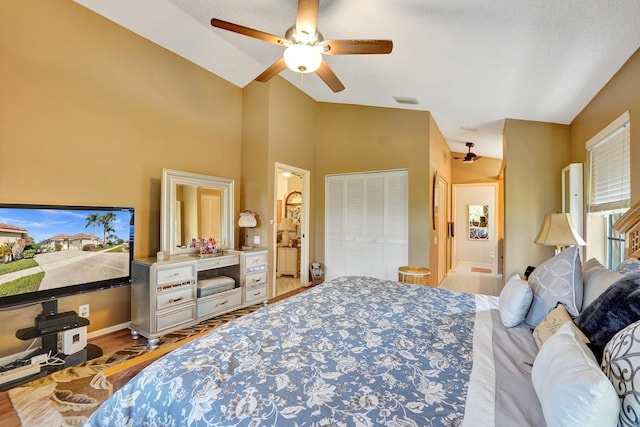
{"type": "Point", "coordinates": [475, 245]}
{"type": "Point", "coordinates": [291, 229]}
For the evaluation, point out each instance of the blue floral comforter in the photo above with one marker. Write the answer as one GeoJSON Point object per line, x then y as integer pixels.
{"type": "Point", "coordinates": [355, 351]}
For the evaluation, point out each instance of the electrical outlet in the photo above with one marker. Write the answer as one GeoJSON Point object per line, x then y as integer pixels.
{"type": "Point", "coordinates": [83, 310]}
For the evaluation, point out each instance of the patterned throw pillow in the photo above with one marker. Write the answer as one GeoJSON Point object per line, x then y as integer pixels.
{"type": "Point", "coordinates": [630, 265]}
{"type": "Point", "coordinates": [620, 362]}
{"type": "Point", "coordinates": [552, 322]}
{"type": "Point", "coordinates": [557, 280]}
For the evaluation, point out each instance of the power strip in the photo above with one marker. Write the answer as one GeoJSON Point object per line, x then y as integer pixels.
{"type": "Point", "coordinates": [19, 372]}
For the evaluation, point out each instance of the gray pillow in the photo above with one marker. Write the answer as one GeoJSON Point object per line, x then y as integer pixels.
{"type": "Point", "coordinates": [597, 278]}
{"type": "Point", "coordinates": [557, 280]}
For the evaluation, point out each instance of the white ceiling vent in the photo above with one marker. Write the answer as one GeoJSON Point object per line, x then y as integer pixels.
{"type": "Point", "coordinates": [406, 100]}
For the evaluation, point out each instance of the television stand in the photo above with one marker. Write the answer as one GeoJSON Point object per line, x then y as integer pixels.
{"type": "Point", "coordinates": [47, 326]}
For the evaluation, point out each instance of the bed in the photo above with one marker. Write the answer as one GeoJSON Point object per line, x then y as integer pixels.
{"type": "Point", "coordinates": [358, 351]}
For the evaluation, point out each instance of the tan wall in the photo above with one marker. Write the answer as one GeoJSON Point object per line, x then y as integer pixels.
{"type": "Point", "coordinates": [286, 134]}
{"type": "Point", "coordinates": [255, 148]}
{"type": "Point", "coordinates": [90, 114]}
{"type": "Point", "coordinates": [360, 139]}
{"type": "Point", "coordinates": [535, 154]}
{"type": "Point", "coordinates": [620, 94]}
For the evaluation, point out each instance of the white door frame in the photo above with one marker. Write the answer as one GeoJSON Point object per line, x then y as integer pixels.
{"type": "Point", "coordinates": [304, 224]}
{"type": "Point", "coordinates": [462, 228]}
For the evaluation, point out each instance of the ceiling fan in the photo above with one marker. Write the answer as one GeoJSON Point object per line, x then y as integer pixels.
{"type": "Point", "coordinates": [469, 157]}
{"type": "Point", "coordinates": [305, 46]}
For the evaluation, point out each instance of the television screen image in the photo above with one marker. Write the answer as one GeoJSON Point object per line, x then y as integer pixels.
{"type": "Point", "coordinates": [49, 251]}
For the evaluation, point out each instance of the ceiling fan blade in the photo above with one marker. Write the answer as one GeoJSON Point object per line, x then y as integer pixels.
{"type": "Point", "coordinates": [356, 47]}
{"type": "Point", "coordinates": [307, 16]}
{"type": "Point", "coordinates": [272, 71]}
{"type": "Point", "coordinates": [246, 31]}
{"type": "Point", "coordinates": [328, 76]}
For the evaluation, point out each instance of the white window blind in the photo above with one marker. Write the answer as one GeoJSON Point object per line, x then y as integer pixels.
{"type": "Point", "coordinates": [610, 182]}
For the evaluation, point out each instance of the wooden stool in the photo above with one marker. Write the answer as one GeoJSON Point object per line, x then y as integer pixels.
{"type": "Point", "coordinates": [415, 275]}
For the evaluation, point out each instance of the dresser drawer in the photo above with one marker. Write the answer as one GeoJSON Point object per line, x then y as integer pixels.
{"type": "Point", "coordinates": [176, 274]}
{"type": "Point", "coordinates": [173, 319]}
{"type": "Point", "coordinates": [255, 279]}
{"type": "Point", "coordinates": [255, 293]}
{"type": "Point", "coordinates": [175, 296]}
{"type": "Point", "coordinates": [256, 260]}
{"type": "Point", "coordinates": [219, 302]}
{"type": "Point", "coordinates": [217, 262]}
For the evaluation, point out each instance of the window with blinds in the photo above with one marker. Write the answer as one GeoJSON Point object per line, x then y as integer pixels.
{"type": "Point", "coordinates": [610, 182]}
{"type": "Point", "coordinates": [609, 190]}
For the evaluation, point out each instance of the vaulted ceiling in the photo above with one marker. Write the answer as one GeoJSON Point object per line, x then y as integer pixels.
{"type": "Point", "coordinates": [471, 63]}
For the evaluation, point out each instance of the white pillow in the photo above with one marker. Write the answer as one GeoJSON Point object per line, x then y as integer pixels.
{"type": "Point", "coordinates": [597, 278]}
{"type": "Point", "coordinates": [569, 384]}
{"type": "Point", "coordinates": [514, 302]}
{"type": "Point", "coordinates": [558, 279]}
{"type": "Point", "coordinates": [620, 362]}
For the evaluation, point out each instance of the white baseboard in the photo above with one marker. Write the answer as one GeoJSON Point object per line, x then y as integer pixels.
{"type": "Point", "coordinates": [105, 331]}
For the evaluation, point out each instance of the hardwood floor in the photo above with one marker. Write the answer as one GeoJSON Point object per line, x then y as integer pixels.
{"type": "Point", "coordinates": [109, 343]}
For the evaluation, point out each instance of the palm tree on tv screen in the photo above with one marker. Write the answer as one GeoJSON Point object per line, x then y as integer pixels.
{"type": "Point", "coordinates": [106, 220]}
{"type": "Point", "coordinates": [92, 219]}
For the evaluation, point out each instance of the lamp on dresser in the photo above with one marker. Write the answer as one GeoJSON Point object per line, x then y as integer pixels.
{"type": "Point", "coordinates": [247, 220]}
{"type": "Point", "coordinates": [286, 226]}
{"type": "Point", "coordinates": [557, 230]}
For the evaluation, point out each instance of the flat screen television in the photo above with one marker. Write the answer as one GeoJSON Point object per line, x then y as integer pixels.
{"type": "Point", "coordinates": [51, 251]}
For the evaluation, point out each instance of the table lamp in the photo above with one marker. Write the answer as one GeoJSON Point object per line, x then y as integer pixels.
{"type": "Point", "coordinates": [247, 221]}
{"type": "Point", "coordinates": [286, 226]}
{"type": "Point", "coordinates": [558, 231]}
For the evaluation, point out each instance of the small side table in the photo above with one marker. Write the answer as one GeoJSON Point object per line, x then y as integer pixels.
{"type": "Point", "coordinates": [413, 274]}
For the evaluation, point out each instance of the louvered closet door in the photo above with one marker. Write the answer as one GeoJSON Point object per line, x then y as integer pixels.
{"type": "Point", "coordinates": [334, 228]}
{"type": "Point", "coordinates": [366, 224]}
{"type": "Point", "coordinates": [396, 228]}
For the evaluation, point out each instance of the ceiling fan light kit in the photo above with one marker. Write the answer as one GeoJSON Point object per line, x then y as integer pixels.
{"type": "Point", "coordinates": [305, 46]}
{"type": "Point", "coordinates": [302, 58]}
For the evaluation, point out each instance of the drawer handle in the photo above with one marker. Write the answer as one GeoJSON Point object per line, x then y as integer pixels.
{"type": "Point", "coordinates": [255, 294]}
{"type": "Point", "coordinates": [171, 301]}
{"type": "Point", "coordinates": [222, 303]}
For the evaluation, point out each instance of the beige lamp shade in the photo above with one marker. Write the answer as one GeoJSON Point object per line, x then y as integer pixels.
{"type": "Point", "coordinates": [247, 219]}
{"type": "Point", "coordinates": [286, 226]}
{"type": "Point", "coordinates": [557, 230]}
